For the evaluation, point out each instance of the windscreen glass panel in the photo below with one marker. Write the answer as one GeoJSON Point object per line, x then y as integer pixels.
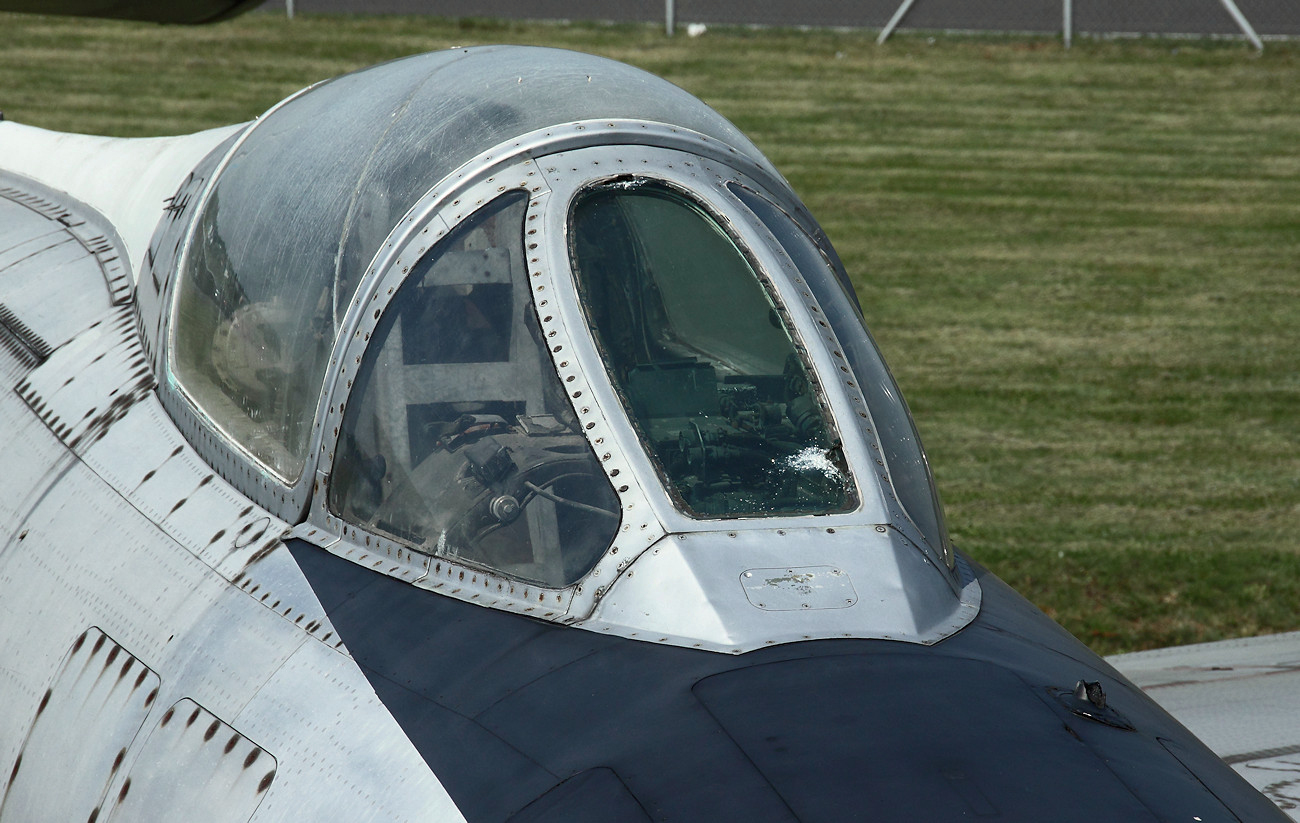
{"type": "Point", "coordinates": [703, 358]}
{"type": "Point", "coordinates": [458, 439]}
{"type": "Point", "coordinates": [909, 470]}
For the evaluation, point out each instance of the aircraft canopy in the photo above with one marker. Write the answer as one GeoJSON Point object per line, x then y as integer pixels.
{"type": "Point", "coordinates": [307, 199]}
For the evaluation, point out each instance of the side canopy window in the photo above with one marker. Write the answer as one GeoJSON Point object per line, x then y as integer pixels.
{"type": "Point", "coordinates": [702, 358]}
{"type": "Point", "coordinates": [458, 439]}
{"type": "Point", "coordinates": [251, 341]}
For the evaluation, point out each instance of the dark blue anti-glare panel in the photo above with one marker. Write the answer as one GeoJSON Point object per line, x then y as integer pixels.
{"type": "Point", "coordinates": [911, 738]}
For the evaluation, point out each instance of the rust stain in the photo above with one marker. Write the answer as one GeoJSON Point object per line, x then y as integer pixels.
{"type": "Point", "coordinates": [261, 553]}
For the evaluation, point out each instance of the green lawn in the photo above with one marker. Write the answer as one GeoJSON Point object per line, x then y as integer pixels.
{"type": "Point", "coordinates": [1081, 265]}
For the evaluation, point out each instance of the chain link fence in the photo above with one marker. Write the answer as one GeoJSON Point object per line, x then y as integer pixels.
{"type": "Point", "coordinates": [1094, 17]}
{"type": "Point", "coordinates": [1206, 18]}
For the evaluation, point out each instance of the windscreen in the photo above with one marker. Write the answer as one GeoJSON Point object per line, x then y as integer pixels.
{"type": "Point", "coordinates": [909, 470]}
{"type": "Point", "coordinates": [703, 357]}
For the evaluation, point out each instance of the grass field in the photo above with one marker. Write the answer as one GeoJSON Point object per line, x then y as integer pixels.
{"type": "Point", "coordinates": [1082, 266]}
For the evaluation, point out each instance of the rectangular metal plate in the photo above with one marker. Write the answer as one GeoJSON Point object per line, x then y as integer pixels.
{"type": "Point", "coordinates": [196, 768]}
{"type": "Point", "coordinates": [99, 699]}
{"type": "Point", "coordinates": [799, 588]}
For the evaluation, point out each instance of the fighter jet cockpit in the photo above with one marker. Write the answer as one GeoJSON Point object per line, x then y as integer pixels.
{"type": "Point", "coordinates": [530, 341]}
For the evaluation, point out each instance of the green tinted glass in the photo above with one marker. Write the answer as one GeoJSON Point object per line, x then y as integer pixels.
{"type": "Point", "coordinates": [703, 358]}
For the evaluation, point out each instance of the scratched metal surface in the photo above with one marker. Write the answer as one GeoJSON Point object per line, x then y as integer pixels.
{"type": "Point", "coordinates": [50, 237]}
{"type": "Point", "coordinates": [1240, 697]}
{"type": "Point", "coordinates": [112, 527]}
{"type": "Point", "coordinates": [99, 700]}
{"type": "Point", "coordinates": [898, 593]}
{"type": "Point", "coordinates": [196, 768]}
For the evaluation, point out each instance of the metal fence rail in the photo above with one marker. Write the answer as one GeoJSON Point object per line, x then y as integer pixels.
{"type": "Point", "coordinates": [1230, 18]}
{"type": "Point", "coordinates": [1151, 23]}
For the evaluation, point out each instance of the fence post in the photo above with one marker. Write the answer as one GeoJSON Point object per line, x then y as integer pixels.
{"type": "Point", "coordinates": [1243, 24]}
{"type": "Point", "coordinates": [894, 21]}
{"type": "Point", "coordinates": [1067, 21]}
{"type": "Point", "coordinates": [670, 15]}
{"type": "Point", "coordinates": [288, 9]}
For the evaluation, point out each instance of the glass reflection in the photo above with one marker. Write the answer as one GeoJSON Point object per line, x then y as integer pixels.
{"type": "Point", "coordinates": [458, 439]}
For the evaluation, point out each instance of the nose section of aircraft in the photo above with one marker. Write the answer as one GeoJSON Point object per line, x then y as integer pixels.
{"type": "Point", "coordinates": [911, 738]}
{"type": "Point", "coordinates": [531, 722]}
{"type": "Point", "coordinates": [837, 737]}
